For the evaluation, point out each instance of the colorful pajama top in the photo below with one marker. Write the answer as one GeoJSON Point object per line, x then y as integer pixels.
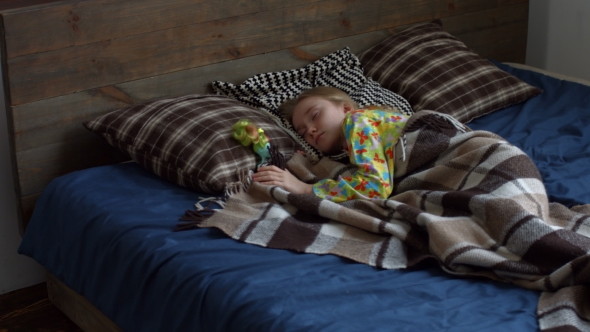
{"type": "Point", "coordinates": [371, 136]}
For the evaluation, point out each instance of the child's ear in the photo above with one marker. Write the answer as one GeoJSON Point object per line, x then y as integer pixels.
{"type": "Point", "coordinates": [347, 107]}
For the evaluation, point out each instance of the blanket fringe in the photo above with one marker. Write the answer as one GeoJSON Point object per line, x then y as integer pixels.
{"type": "Point", "coordinates": [217, 200]}
{"type": "Point", "coordinates": [244, 181]}
{"type": "Point", "coordinates": [193, 218]}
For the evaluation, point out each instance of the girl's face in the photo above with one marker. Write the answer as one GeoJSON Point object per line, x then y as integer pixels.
{"type": "Point", "coordinates": [319, 121]}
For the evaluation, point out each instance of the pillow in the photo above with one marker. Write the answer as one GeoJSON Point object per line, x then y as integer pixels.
{"type": "Point", "coordinates": [340, 69]}
{"type": "Point", "coordinates": [188, 140]}
{"type": "Point", "coordinates": [435, 71]}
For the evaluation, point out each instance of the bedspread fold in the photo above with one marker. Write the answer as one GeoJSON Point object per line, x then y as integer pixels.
{"type": "Point", "coordinates": [469, 200]}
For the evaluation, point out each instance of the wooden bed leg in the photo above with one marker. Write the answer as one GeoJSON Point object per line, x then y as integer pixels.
{"type": "Point", "coordinates": [77, 307]}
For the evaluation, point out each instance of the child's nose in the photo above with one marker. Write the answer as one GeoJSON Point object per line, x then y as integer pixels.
{"type": "Point", "coordinates": [311, 131]}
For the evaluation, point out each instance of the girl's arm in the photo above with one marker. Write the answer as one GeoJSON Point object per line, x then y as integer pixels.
{"type": "Point", "coordinates": [274, 176]}
{"type": "Point", "coordinates": [371, 180]}
{"type": "Point", "coordinates": [371, 137]}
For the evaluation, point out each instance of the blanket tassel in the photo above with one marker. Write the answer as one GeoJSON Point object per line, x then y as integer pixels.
{"type": "Point", "coordinates": [193, 218]}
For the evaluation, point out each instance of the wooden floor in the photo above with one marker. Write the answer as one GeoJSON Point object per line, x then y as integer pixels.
{"type": "Point", "coordinates": [29, 310]}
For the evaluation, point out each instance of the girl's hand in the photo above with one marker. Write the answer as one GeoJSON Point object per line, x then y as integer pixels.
{"type": "Point", "coordinates": [301, 153]}
{"type": "Point", "coordinates": [274, 176]}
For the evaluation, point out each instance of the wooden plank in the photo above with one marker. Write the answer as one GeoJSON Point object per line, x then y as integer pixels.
{"type": "Point", "coordinates": [502, 19]}
{"type": "Point", "coordinates": [412, 11]}
{"type": "Point", "coordinates": [498, 34]}
{"type": "Point", "coordinates": [38, 124]}
{"type": "Point", "coordinates": [274, 4]}
{"type": "Point", "coordinates": [26, 206]}
{"type": "Point", "coordinates": [124, 59]}
{"type": "Point", "coordinates": [329, 20]}
{"type": "Point", "coordinates": [112, 61]}
{"type": "Point", "coordinates": [15, 4]}
{"type": "Point", "coordinates": [78, 150]}
{"type": "Point", "coordinates": [511, 2]}
{"type": "Point", "coordinates": [509, 51]}
{"type": "Point", "coordinates": [29, 309]}
{"type": "Point", "coordinates": [42, 137]}
{"type": "Point", "coordinates": [72, 23]}
{"type": "Point", "coordinates": [61, 24]}
{"type": "Point", "coordinates": [83, 313]}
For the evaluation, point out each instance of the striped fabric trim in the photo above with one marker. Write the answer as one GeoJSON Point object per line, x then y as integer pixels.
{"type": "Point", "coordinates": [188, 140]}
{"type": "Point", "coordinates": [435, 71]}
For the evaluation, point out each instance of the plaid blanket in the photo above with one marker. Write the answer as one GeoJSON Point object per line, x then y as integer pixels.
{"type": "Point", "coordinates": [468, 199]}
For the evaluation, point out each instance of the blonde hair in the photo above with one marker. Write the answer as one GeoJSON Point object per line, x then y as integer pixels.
{"type": "Point", "coordinates": [334, 95]}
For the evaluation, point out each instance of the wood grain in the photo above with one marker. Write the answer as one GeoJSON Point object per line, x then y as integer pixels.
{"type": "Point", "coordinates": [26, 206]}
{"type": "Point", "coordinates": [78, 308]}
{"type": "Point", "coordinates": [118, 58]}
{"type": "Point", "coordinates": [29, 309]}
{"type": "Point", "coordinates": [498, 34]}
{"type": "Point", "coordinates": [19, 4]}
{"type": "Point", "coordinates": [67, 24]}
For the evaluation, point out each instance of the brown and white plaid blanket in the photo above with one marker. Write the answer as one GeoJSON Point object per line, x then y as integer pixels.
{"type": "Point", "coordinates": [468, 199]}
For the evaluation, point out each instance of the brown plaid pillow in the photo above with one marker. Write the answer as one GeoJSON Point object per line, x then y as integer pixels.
{"type": "Point", "coordinates": [188, 140]}
{"type": "Point", "coordinates": [433, 70]}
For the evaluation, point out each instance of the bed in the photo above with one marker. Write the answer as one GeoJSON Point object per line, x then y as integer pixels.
{"type": "Point", "coordinates": [106, 228]}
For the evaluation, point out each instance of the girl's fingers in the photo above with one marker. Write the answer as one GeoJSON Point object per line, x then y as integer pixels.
{"type": "Point", "coordinates": [268, 168]}
{"type": "Point", "coordinates": [265, 177]}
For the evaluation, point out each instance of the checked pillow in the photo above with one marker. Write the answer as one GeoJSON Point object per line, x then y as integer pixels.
{"type": "Point", "coordinates": [188, 140]}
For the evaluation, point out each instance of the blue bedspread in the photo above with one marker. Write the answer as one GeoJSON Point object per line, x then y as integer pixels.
{"type": "Point", "coordinates": [107, 232]}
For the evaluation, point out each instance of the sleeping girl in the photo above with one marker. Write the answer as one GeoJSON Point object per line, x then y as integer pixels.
{"type": "Point", "coordinates": [330, 121]}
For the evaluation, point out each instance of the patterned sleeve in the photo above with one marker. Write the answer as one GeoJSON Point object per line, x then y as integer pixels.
{"type": "Point", "coordinates": [374, 157]}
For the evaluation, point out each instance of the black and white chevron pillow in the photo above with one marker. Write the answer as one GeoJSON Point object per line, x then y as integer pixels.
{"type": "Point", "coordinates": [340, 69]}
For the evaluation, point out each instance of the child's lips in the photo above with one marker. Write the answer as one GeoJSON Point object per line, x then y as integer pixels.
{"type": "Point", "coordinates": [317, 139]}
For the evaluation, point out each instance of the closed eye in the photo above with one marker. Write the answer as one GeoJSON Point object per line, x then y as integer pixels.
{"type": "Point", "coordinates": [313, 116]}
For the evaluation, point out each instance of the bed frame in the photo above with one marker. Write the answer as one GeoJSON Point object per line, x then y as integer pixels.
{"type": "Point", "coordinates": [64, 62]}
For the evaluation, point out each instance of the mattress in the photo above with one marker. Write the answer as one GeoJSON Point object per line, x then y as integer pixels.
{"type": "Point", "coordinates": [108, 233]}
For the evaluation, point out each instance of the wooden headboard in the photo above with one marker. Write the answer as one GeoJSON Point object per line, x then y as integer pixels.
{"type": "Point", "coordinates": [64, 62]}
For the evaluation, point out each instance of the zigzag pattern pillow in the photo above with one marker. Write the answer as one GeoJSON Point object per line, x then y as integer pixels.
{"type": "Point", "coordinates": [340, 69]}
